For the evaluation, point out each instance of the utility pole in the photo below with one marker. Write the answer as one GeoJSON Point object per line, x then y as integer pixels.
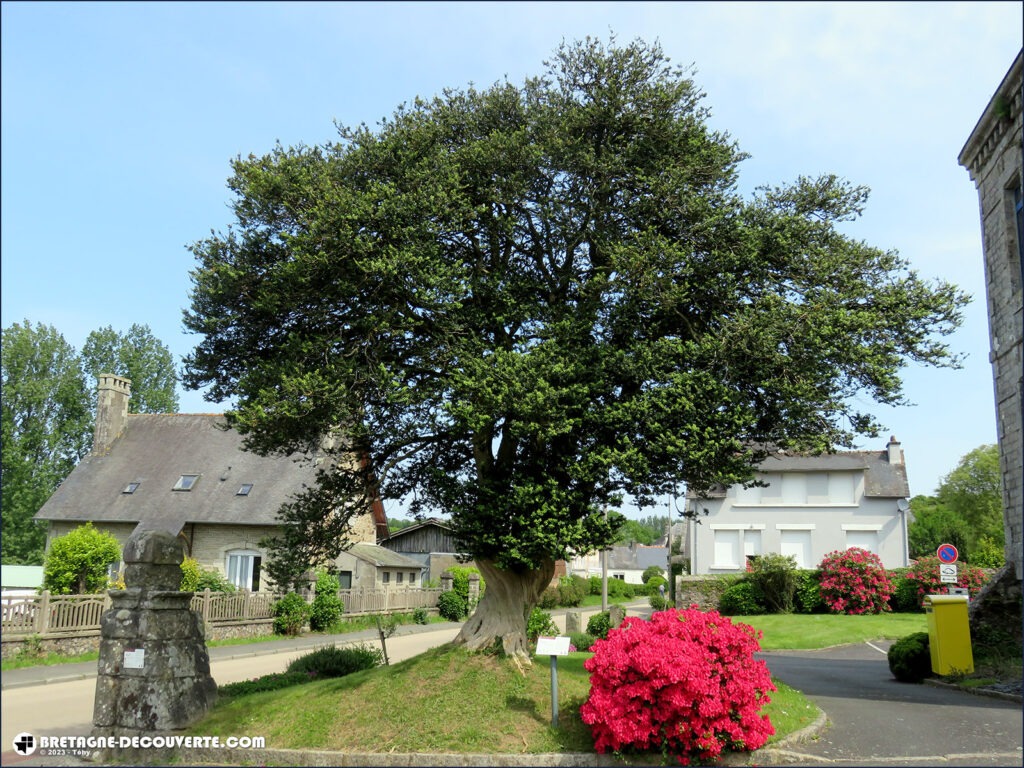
{"type": "Point", "coordinates": [604, 573]}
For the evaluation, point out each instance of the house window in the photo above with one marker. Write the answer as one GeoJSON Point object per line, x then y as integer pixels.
{"type": "Point", "coordinates": [862, 537]}
{"type": "Point", "coordinates": [842, 487]}
{"type": "Point", "coordinates": [401, 576]}
{"type": "Point", "coordinates": [412, 578]}
{"type": "Point", "coordinates": [186, 482]}
{"type": "Point", "coordinates": [796, 543]}
{"type": "Point", "coordinates": [386, 577]}
{"type": "Point", "coordinates": [727, 549]}
{"type": "Point", "coordinates": [114, 571]}
{"type": "Point", "coordinates": [751, 544]}
{"type": "Point", "coordinates": [131, 488]}
{"type": "Point", "coordinates": [244, 490]}
{"type": "Point", "coordinates": [243, 568]}
{"type": "Point", "coordinates": [344, 579]}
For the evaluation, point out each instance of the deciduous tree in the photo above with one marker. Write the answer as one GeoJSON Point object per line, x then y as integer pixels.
{"type": "Point", "coordinates": [140, 356]}
{"type": "Point", "coordinates": [973, 491]}
{"type": "Point", "coordinates": [521, 303]}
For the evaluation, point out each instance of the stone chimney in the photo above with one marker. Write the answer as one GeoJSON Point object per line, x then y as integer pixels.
{"type": "Point", "coordinates": [111, 411]}
{"type": "Point", "coordinates": [895, 452]}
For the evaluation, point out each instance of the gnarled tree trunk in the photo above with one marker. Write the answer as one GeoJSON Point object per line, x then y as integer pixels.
{"type": "Point", "coordinates": [504, 609]}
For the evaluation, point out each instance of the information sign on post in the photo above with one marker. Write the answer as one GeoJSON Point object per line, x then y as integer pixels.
{"type": "Point", "coordinates": [553, 647]}
{"type": "Point", "coordinates": [947, 573]}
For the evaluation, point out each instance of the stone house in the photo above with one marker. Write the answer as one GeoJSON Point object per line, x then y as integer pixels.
{"type": "Point", "coordinates": [810, 506]}
{"type": "Point", "coordinates": [430, 543]}
{"type": "Point", "coordinates": [627, 563]}
{"type": "Point", "coordinates": [187, 474]}
{"type": "Point", "coordinates": [993, 155]}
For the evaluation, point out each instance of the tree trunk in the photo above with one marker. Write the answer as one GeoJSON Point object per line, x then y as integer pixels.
{"type": "Point", "coordinates": [504, 609]}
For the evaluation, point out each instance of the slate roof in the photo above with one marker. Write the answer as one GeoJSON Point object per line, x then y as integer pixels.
{"type": "Point", "coordinates": [639, 559]}
{"type": "Point", "coordinates": [154, 450]}
{"type": "Point", "coordinates": [379, 556]}
{"type": "Point", "coordinates": [881, 479]}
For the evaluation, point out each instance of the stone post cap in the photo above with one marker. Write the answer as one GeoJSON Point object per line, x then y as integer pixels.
{"type": "Point", "coordinates": [153, 546]}
{"type": "Point", "coordinates": [474, 576]}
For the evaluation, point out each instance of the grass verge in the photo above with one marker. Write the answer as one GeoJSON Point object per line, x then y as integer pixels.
{"type": "Point", "coordinates": [799, 631]}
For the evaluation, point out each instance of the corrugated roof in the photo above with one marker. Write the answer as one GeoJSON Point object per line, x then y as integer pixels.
{"type": "Point", "coordinates": [379, 556]}
{"type": "Point", "coordinates": [155, 450]}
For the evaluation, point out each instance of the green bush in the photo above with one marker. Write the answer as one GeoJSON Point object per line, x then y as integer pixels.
{"type": "Point", "coordinates": [272, 682]}
{"type": "Point", "coordinates": [420, 616]}
{"type": "Point", "coordinates": [331, 661]}
{"type": "Point", "coordinates": [548, 598]}
{"type": "Point", "coordinates": [650, 572]}
{"type": "Point", "coordinates": [659, 603]}
{"type": "Point", "coordinates": [581, 641]}
{"type": "Point", "coordinates": [988, 553]}
{"type": "Point", "coordinates": [808, 592]}
{"type": "Point", "coordinates": [617, 588]}
{"type": "Point", "coordinates": [451, 606]}
{"type": "Point", "coordinates": [905, 597]}
{"type": "Point", "coordinates": [189, 574]}
{"type": "Point", "coordinates": [290, 614]}
{"type": "Point", "coordinates": [595, 585]}
{"type": "Point", "coordinates": [572, 590]}
{"type": "Point", "coordinates": [910, 658]}
{"type": "Point", "coordinates": [599, 625]}
{"type": "Point", "coordinates": [538, 624]}
{"type": "Point", "coordinates": [195, 578]}
{"type": "Point", "coordinates": [742, 599]}
{"type": "Point", "coordinates": [77, 562]}
{"type": "Point", "coordinates": [775, 578]}
{"type": "Point", "coordinates": [460, 583]}
{"type": "Point", "coordinates": [327, 606]}
{"type": "Point", "coordinates": [651, 587]}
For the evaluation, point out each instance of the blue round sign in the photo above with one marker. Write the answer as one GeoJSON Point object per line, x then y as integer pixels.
{"type": "Point", "coordinates": [947, 553]}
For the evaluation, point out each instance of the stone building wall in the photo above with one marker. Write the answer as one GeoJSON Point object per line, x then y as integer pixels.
{"type": "Point", "coordinates": [993, 156]}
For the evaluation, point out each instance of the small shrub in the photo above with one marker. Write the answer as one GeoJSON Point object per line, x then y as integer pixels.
{"type": "Point", "coordinates": [854, 582]}
{"type": "Point", "coordinates": [451, 606]}
{"type": "Point", "coordinates": [290, 614]}
{"type": "Point", "coordinates": [538, 624]}
{"type": "Point", "coordinates": [617, 588]}
{"type": "Point", "coordinates": [190, 571]}
{"type": "Point", "coordinates": [272, 682]}
{"type": "Point", "coordinates": [420, 616]}
{"type": "Point", "coordinates": [808, 592]}
{"type": "Point", "coordinates": [742, 599]}
{"type": "Point", "coordinates": [595, 585]}
{"type": "Point", "coordinates": [77, 562]}
{"type": "Point", "coordinates": [599, 624]}
{"type": "Point", "coordinates": [651, 588]}
{"type": "Point", "coordinates": [685, 682]}
{"type": "Point", "coordinates": [650, 572]}
{"type": "Point", "coordinates": [460, 583]}
{"type": "Point", "coordinates": [904, 595]}
{"type": "Point", "coordinates": [214, 581]}
{"type": "Point", "coordinates": [582, 641]}
{"type": "Point", "coordinates": [775, 577]}
{"type": "Point", "coordinates": [659, 603]}
{"type": "Point", "coordinates": [331, 661]}
{"type": "Point", "coordinates": [572, 590]}
{"type": "Point", "coordinates": [327, 606]}
{"type": "Point", "coordinates": [925, 577]}
{"type": "Point", "coordinates": [988, 553]}
{"type": "Point", "coordinates": [910, 658]}
{"type": "Point", "coordinates": [549, 598]}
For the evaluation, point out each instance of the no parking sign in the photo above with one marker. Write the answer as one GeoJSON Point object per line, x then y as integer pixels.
{"type": "Point", "coordinates": [947, 554]}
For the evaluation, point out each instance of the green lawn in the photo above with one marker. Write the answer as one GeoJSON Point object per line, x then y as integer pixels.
{"type": "Point", "coordinates": [799, 631]}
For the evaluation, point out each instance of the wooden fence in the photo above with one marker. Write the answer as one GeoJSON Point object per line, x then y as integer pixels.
{"type": "Point", "coordinates": [49, 615]}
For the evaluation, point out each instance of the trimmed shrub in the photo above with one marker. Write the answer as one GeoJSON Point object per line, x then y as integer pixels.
{"type": "Point", "coordinates": [659, 603]}
{"type": "Point", "coordinates": [854, 582]}
{"type": "Point", "coordinates": [290, 614]}
{"type": "Point", "coordinates": [460, 583]}
{"type": "Point", "coordinates": [595, 585]}
{"type": "Point", "coordinates": [742, 599]}
{"type": "Point", "coordinates": [548, 598]}
{"type": "Point", "coordinates": [327, 606]}
{"type": "Point", "coordinates": [775, 577]}
{"type": "Point", "coordinates": [685, 683]}
{"type": "Point", "coordinates": [924, 575]}
{"type": "Point", "coordinates": [617, 588]}
{"type": "Point", "coordinates": [599, 624]}
{"type": "Point", "coordinates": [808, 592]}
{"type": "Point", "coordinates": [77, 562]}
{"type": "Point", "coordinates": [582, 641]}
{"type": "Point", "coordinates": [451, 606]}
{"type": "Point", "coordinates": [650, 572]}
{"type": "Point", "coordinates": [538, 624]}
{"type": "Point", "coordinates": [904, 594]}
{"type": "Point", "coordinates": [272, 682]}
{"type": "Point", "coordinates": [910, 658]}
{"type": "Point", "coordinates": [331, 661]}
{"type": "Point", "coordinates": [651, 588]}
{"type": "Point", "coordinates": [572, 590]}
{"type": "Point", "coordinates": [420, 616]}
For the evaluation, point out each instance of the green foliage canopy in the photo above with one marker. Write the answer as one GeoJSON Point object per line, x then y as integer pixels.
{"type": "Point", "coordinates": [523, 302]}
{"type": "Point", "coordinates": [973, 491]}
{"type": "Point", "coordinates": [77, 562]}
{"type": "Point", "coordinates": [137, 355]}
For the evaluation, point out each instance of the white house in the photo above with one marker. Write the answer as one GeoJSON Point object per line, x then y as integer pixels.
{"type": "Point", "coordinates": [627, 563]}
{"type": "Point", "coordinates": [810, 506]}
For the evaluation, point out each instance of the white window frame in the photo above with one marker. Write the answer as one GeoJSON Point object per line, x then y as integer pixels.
{"type": "Point", "coordinates": [241, 574]}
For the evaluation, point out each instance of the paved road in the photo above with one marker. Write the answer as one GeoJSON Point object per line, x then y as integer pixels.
{"type": "Point", "coordinates": [876, 720]}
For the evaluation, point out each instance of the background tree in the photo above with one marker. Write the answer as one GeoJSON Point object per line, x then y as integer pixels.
{"type": "Point", "coordinates": [139, 356]}
{"type": "Point", "coordinates": [47, 427]}
{"type": "Point", "coordinates": [935, 524]}
{"type": "Point", "coordinates": [634, 530]}
{"type": "Point", "coordinates": [78, 562]}
{"type": "Point", "coordinates": [522, 303]}
{"type": "Point", "coordinates": [973, 492]}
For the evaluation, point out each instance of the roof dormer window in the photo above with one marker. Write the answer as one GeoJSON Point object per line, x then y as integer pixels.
{"type": "Point", "coordinates": [244, 490]}
{"type": "Point", "coordinates": [131, 488]}
{"type": "Point", "coordinates": [186, 482]}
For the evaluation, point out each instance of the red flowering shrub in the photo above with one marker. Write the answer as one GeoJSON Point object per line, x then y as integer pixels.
{"type": "Point", "coordinates": [684, 682]}
{"type": "Point", "coordinates": [924, 576]}
{"type": "Point", "coordinates": [853, 581]}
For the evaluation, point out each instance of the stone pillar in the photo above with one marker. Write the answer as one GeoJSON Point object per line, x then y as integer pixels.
{"type": "Point", "coordinates": [447, 581]}
{"type": "Point", "coordinates": [154, 670]}
{"type": "Point", "coordinates": [474, 589]}
{"type": "Point", "coordinates": [616, 615]}
{"type": "Point", "coordinates": [573, 622]}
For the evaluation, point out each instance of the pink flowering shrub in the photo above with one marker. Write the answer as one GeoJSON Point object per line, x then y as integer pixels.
{"type": "Point", "coordinates": [685, 682]}
{"type": "Point", "coordinates": [924, 575]}
{"type": "Point", "coordinates": [853, 581]}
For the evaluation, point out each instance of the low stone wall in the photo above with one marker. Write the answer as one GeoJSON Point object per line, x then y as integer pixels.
{"type": "Point", "coordinates": [702, 591]}
{"type": "Point", "coordinates": [69, 645]}
{"type": "Point", "coordinates": [253, 628]}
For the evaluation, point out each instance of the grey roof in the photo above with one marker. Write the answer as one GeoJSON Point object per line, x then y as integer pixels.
{"type": "Point", "coordinates": [154, 450]}
{"type": "Point", "coordinates": [639, 559]}
{"type": "Point", "coordinates": [882, 479]}
{"type": "Point", "coordinates": [430, 522]}
{"type": "Point", "coordinates": [379, 556]}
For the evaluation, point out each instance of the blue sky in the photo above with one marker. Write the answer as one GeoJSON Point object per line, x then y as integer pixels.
{"type": "Point", "coordinates": [119, 121]}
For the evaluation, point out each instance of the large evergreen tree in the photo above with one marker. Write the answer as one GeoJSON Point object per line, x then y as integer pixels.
{"type": "Point", "coordinates": [521, 303]}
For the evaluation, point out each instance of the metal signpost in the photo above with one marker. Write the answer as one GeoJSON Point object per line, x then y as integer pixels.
{"type": "Point", "coordinates": [553, 647]}
{"type": "Point", "coordinates": [948, 556]}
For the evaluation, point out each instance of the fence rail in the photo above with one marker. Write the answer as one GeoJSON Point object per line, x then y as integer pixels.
{"type": "Point", "coordinates": [49, 615]}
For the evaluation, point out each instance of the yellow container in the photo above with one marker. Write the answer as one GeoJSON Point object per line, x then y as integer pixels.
{"type": "Point", "coordinates": [949, 634]}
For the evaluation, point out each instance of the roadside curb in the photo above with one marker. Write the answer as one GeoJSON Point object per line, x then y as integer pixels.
{"type": "Point", "coordinates": [975, 691]}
